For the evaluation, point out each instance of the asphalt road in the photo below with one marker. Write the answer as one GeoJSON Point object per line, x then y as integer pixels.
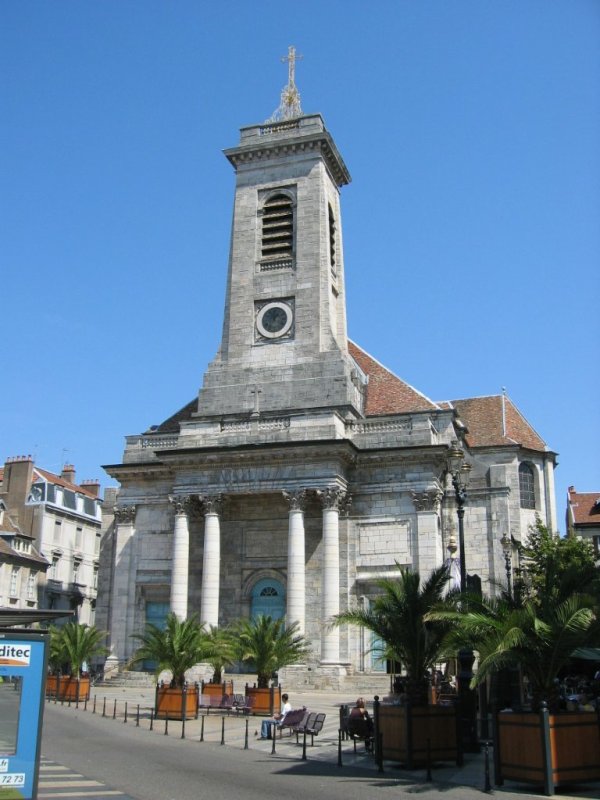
{"type": "Point", "coordinates": [133, 762]}
{"type": "Point", "coordinates": [146, 765]}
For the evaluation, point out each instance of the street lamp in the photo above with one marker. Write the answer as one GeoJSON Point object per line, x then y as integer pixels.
{"type": "Point", "coordinates": [506, 543]}
{"type": "Point", "coordinates": [460, 471]}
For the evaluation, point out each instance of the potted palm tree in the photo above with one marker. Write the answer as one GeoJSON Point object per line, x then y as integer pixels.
{"type": "Point", "coordinates": [72, 646]}
{"type": "Point", "coordinates": [414, 730]}
{"type": "Point", "coordinates": [175, 648]}
{"type": "Point", "coordinates": [220, 652]}
{"type": "Point", "coordinates": [268, 645]}
{"type": "Point", "coordinates": [553, 614]}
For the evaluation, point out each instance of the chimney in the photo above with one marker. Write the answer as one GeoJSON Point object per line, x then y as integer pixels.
{"type": "Point", "coordinates": [68, 473]}
{"type": "Point", "coordinates": [18, 474]}
{"type": "Point", "coordinates": [93, 486]}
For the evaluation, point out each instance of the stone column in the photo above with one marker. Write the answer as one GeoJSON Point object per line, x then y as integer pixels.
{"type": "Point", "coordinates": [121, 600]}
{"type": "Point", "coordinates": [296, 565]}
{"type": "Point", "coordinates": [211, 565]}
{"type": "Point", "coordinates": [181, 558]}
{"type": "Point", "coordinates": [429, 553]}
{"type": "Point", "coordinates": [333, 499]}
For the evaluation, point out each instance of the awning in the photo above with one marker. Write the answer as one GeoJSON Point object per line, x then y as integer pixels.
{"type": "Point", "coordinates": [587, 653]}
{"type": "Point", "coordinates": [12, 617]}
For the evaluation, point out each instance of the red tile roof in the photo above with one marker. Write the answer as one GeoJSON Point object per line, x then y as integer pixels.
{"type": "Point", "coordinates": [489, 425]}
{"type": "Point", "coordinates": [386, 393]}
{"type": "Point", "coordinates": [58, 481]}
{"type": "Point", "coordinates": [584, 507]}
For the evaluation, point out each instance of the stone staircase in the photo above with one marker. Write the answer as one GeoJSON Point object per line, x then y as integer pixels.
{"type": "Point", "coordinates": [130, 679]}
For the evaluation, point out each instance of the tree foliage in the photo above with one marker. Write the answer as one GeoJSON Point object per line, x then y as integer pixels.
{"type": "Point", "coordinates": [269, 645]}
{"type": "Point", "coordinates": [73, 644]}
{"type": "Point", "coordinates": [398, 616]}
{"type": "Point", "coordinates": [177, 647]}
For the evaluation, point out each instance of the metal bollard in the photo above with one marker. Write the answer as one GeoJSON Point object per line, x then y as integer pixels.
{"type": "Point", "coordinates": [104, 708]}
{"type": "Point", "coordinates": [115, 709]}
{"type": "Point", "coordinates": [274, 739]}
{"type": "Point", "coordinates": [94, 706]}
{"type": "Point", "coordinates": [488, 784]}
{"type": "Point", "coordinates": [137, 717]}
{"type": "Point", "coordinates": [183, 724]}
{"type": "Point", "coordinates": [202, 729]}
{"type": "Point", "coordinates": [166, 724]}
{"type": "Point", "coordinates": [428, 776]}
{"type": "Point", "coordinates": [304, 746]}
{"type": "Point", "coordinates": [223, 730]}
{"type": "Point", "coordinates": [151, 719]}
{"type": "Point", "coordinates": [246, 735]}
{"type": "Point", "coordinates": [340, 748]}
{"type": "Point", "coordinates": [125, 717]}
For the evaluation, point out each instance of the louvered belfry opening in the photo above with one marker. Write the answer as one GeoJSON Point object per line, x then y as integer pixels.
{"type": "Point", "coordinates": [278, 227]}
{"type": "Point", "coordinates": [332, 240]}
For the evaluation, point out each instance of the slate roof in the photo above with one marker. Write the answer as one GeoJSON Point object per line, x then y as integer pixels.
{"type": "Point", "coordinates": [489, 425]}
{"type": "Point", "coordinates": [584, 507]}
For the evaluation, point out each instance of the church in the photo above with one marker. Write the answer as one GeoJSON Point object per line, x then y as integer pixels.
{"type": "Point", "coordinates": [304, 470]}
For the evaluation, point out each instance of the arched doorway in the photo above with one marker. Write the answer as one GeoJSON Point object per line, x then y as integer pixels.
{"type": "Point", "coordinates": [268, 598]}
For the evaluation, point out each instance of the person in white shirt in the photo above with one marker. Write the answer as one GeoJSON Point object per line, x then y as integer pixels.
{"type": "Point", "coordinates": [267, 724]}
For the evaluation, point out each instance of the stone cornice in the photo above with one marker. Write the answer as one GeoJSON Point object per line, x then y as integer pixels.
{"type": "Point", "coordinates": [317, 143]}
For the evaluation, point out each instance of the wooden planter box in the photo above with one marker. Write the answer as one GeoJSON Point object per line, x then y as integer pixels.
{"type": "Point", "coordinates": [170, 703]}
{"type": "Point", "coordinates": [67, 688]}
{"type": "Point", "coordinates": [418, 736]}
{"type": "Point", "coordinates": [548, 750]}
{"type": "Point", "coordinates": [217, 689]}
{"type": "Point", "coordinates": [266, 701]}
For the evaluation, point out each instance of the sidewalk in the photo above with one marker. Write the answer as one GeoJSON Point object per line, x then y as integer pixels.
{"type": "Point", "coordinates": [244, 733]}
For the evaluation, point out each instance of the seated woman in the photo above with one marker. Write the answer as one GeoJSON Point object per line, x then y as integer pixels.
{"type": "Point", "coordinates": [360, 724]}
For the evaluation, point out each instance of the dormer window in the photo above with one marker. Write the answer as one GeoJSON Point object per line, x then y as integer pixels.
{"type": "Point", "coordinates": [278, 228]}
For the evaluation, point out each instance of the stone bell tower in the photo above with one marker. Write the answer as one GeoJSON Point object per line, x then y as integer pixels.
{"type": "Point", "coordinates": [284, 345]}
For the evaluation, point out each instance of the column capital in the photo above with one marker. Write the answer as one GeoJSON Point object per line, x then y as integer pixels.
{"type": "Point", "coordinates": [296, 499]}
{"type": "Point", "coordinates": [182, 503]}
{"type": "Point", "coordinates": [428, 500]}
{"type": "Point", "coordinates": [335, 498]}
{"type": "Point", "coordinates": [124, 515]}
{"type": "Point", "coordinates": [211, 503]}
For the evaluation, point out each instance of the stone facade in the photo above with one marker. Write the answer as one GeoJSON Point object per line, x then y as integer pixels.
{"type": "Point", "coordinates": [61, 520]}
{"type": "Point", "coordinates": [304, 466]}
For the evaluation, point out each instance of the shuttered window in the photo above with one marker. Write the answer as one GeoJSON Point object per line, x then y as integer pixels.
{"type": "Point", "coordinates": [278, 227]}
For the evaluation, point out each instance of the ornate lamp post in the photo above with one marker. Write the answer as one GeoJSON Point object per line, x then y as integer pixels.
{"type": "Point", "coordinates": [506, 543]}
{"type": "Point", "coordinates": [460, 472]}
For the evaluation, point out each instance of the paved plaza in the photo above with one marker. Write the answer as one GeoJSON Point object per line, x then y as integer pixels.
{"type": "Point", "coordinates": [236, 740]}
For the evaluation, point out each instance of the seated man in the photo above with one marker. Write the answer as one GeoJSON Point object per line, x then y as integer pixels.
{"type": "Point", "coordinates": [267, 724]}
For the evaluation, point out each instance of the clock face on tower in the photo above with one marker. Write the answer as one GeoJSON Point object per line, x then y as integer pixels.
{"type": "Point", "coordinates": [274, 320]}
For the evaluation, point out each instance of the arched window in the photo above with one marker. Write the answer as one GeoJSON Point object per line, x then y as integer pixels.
{"type": "Point", "coordinates": [527, 486]}
{"type": "Point", "coordinates": [278, 228]}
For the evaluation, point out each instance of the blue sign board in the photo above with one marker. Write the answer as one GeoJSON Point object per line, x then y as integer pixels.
{"type": "Point", "coordinates": [23, 661]}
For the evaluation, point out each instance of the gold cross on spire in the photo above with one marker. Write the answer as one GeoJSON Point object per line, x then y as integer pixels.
{"type": "Point", "coordinates": [289, 106]}
{"type": "Point", "coordinates": [291, 59]}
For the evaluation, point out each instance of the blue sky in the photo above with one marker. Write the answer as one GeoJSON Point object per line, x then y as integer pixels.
{"type": "Point", "coordinates": [471, 227]}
